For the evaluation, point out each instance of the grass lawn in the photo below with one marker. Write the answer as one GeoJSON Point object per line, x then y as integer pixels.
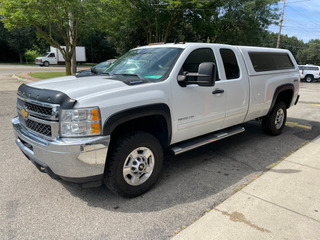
{"type": "Point", "coordinates": [46, 75]}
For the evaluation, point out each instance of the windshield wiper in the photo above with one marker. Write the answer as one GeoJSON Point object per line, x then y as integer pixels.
{"type": "Point", "coordinates": [106, 73]}
{"type": "Point", "coordinates": [128, 75]}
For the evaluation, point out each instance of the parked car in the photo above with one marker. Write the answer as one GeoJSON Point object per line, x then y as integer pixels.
{"type": "Point", "coordinates": [115, 128]}
{"type": "Point", "coordinates": [97, 69]}
{"type": "Point", "coordinates": [309, 73]}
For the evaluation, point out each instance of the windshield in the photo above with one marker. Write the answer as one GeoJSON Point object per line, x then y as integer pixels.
{"type": "Point", "coordinates": [45, 54]}
{"type": "Point", "coordinates": [147, 63]}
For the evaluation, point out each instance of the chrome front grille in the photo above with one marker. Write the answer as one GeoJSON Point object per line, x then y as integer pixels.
{"type": "Point", "coordinates": [41, 128]}
{"type": "Point", "coordinates": [39, 117]}
{"type": "Point", "coordinates": [38, 109]}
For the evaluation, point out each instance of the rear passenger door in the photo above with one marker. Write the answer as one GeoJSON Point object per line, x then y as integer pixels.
{"type": "Point", "coordinates": [236, 84]}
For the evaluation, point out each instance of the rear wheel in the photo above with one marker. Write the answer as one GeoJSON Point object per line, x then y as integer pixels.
{"type": "Point", "coordinates": [134, 164]}
{"type": "Point", "coordinates": [274, 122]}
{"type": "Point", "coordinates": [309, 78]}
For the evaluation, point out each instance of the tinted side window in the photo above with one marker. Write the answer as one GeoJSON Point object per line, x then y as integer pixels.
{"type": "Point", "coordinates": [230, 63]}
{"type": "Point", "coordinates": [312, 68]}
{"type": "Point", "coordinates": [196, 57]}
{"type": "Point", "coordinates": [270, 61]}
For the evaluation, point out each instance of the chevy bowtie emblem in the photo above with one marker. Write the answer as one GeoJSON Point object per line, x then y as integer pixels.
{"type": "Point", "coordinates": [24, 113]}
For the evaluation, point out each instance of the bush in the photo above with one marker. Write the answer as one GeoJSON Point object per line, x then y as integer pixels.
{"type": "Point", "coordinates": [31, 55]}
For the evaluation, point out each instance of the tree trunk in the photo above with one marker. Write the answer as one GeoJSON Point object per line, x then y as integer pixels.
{"type": "Point", "coordinates": [21, 59]}
{"type": "Point", "coordinates": [73, 64]}
{"type": "Point", "coordinates": [68, 67]}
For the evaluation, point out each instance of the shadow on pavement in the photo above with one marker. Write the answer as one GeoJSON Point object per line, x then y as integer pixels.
{"type": "Point", "coordinates": [213, 170]}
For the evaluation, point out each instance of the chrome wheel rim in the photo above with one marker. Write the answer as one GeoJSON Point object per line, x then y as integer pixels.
{"type": "Point", "coordinates": [138, 166]}
{"type": "Point", "coordinates": [279, 118]}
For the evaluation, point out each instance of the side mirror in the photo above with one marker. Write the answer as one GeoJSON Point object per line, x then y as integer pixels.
{"type": "Point", "coordinates": [206, 76]}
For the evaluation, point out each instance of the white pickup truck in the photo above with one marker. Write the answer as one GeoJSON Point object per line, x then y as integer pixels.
{"type": "Point", "coordinates": [114, 128]}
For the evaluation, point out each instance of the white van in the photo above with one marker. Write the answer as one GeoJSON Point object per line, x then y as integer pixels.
{"type": "Point", "coordinates": [56, 57]}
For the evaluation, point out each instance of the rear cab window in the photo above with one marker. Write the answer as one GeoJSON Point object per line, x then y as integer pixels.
{"type": "Point", "coordinates": [230, 63]}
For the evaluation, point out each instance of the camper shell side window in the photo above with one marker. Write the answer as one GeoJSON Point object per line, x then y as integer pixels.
{"type": "Point", "coordinates": [270, 61]}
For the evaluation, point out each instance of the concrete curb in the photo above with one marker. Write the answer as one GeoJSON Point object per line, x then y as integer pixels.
{"type": "Point", "coordinates": [283, 203]}
{"type": "Point", "coordinates": [21, 79]}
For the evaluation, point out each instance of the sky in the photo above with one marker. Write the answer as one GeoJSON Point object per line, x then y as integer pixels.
{"type": "Point", "coordinates": [301, 19]}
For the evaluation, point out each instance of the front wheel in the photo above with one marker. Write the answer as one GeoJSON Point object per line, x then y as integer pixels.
{"type": "Point", "coordinates": [275, 121]}
{"type": "Point", "coordinates": [134, 164]}
{"type": "Point", "coordinates": [46, 64]}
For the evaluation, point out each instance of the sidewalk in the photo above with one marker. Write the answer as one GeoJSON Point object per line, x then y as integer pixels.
{"type": "Point", "coordinates": [284, 203]}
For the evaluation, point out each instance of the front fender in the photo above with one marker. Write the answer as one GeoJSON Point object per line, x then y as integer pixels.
{"type": "Point", "coordinates": [137, 112]}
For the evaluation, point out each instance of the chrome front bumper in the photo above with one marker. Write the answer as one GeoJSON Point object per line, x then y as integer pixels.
{"type": "Point", "coordinates": [72, 159]}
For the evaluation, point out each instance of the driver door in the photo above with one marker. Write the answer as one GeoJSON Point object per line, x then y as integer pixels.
{"type": "Point", "coordinates": [197, 110]}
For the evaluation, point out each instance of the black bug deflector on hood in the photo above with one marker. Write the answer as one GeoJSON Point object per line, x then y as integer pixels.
{"type": "Point", "coordinates": [46, 95]}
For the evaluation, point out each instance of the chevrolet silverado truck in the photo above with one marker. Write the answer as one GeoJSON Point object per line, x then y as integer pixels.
{"type": "Point", "coordinates": [114, 128]}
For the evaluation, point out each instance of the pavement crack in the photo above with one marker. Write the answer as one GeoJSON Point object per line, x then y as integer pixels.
{"type": "Point", "coordinates": [303, 215]}
{"type": "Point", "coordinates": [233, 159]}
{"type": "Point", "coordinates": [239, 217]}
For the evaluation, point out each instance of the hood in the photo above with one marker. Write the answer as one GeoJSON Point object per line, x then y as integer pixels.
{"type": "Point", "coordinates": [77, 88]}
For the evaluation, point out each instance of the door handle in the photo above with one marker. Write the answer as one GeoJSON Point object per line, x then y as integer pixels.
{"type": "Point", "coordinates": [218, 91]}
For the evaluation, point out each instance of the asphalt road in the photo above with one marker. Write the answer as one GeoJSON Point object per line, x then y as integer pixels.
{"type": "Point", "coordinates": [10, 69]}
{"type": "Point", "coordinates": [33, 206]}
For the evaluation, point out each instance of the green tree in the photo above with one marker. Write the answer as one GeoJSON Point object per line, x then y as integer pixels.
{"type": "Point", "coordinates": [53, 20]}
{"type": "Point", "coordinates": [6, 54]}
{"type": "Point", "coordinates": [31, 55]}
{"type": "Point", "coordinates": [240, 22]}
{"type": "Point", "coordinates": [310, 54]}
{"type": "Point", "coordinates": [20, 39]}
{"type": "Point", "coordinates": [293, 44]}
{"type": "Point", "coordinates": [98, 49]}
{"type": "Point", "coordinates": [136, 22]}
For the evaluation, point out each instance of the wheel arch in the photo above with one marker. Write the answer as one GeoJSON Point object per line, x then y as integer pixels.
{"type": "Point", "coordinates": [154, 119]}
{"type": "Point", "coordinates": [283, 93]}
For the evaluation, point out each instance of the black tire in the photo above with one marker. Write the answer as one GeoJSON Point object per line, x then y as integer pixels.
{"type": "Point", "coordinates": [274, 122]}
{"type": "Point", "coordinates": [121, 161]}
{"type": "Point", "coordinates": [46, 64]}
{"type": "Point", "coordinates": [309, 78]}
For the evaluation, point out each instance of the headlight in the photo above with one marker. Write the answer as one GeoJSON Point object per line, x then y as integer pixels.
{"type": "Point", "coordinates": [80, 122]}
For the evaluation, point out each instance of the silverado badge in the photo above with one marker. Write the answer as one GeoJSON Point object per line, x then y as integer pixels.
{"type": "Point", "coordinates": [24, 113]}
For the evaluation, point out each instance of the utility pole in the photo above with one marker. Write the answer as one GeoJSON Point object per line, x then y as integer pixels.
{"type": "Point", "coordinates": [281, 21]}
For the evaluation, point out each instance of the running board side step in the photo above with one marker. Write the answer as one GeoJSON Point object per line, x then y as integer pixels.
{"type": "Point", "coordinates": [206, 139]}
